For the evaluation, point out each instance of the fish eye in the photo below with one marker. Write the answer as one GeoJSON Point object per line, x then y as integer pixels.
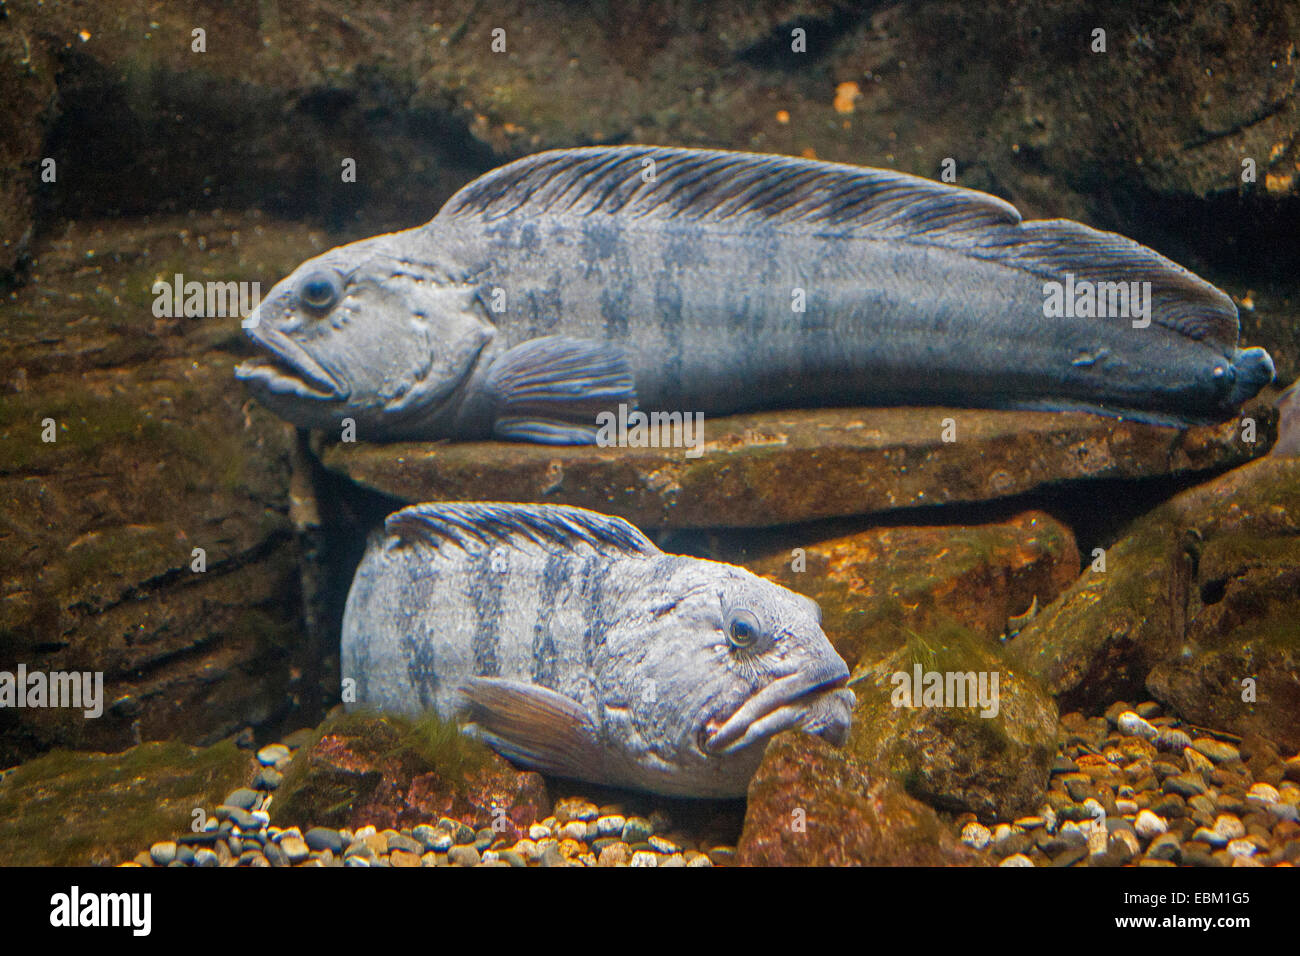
{"type": "Point", "coordinates": [742, 629]}
{"type": "Point", "coordinates": [320, 290]}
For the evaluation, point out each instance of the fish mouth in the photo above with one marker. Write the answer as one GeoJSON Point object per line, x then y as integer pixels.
{"type": "Point", "coordinates": [283, 367]}
{"type": "Point", "coordinates": [820, 702]}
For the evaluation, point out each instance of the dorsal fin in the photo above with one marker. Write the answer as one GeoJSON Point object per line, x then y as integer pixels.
{"type": "Point", "coordinates": [745, 190]}
{"type": "Point", "coordinates": [476, 526]}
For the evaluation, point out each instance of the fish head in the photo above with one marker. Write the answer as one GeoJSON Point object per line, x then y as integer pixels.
{"type": "Point", "coordinates": [739, 659]}
{"type": "Point", "coordinates": [362, 332]}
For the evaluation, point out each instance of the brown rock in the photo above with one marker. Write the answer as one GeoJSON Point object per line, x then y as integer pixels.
{"type": "Point", "coordinates": [791, 466]}
{"type": "Point", "coordinates": [813, 805]}
{"type": "Point", "coordinates": [877, 586]}
{"type": "Point", "coordinates": [394, 773]}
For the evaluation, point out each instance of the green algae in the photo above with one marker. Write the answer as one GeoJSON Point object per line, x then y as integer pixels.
{"type": "Point", "coordinates": [77, 809]}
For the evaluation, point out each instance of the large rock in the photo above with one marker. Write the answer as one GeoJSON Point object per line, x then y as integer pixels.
{"type": "Point", "coordinates": [986, 749]}
{"type": "Point", "coordinates": [811, 804]}
{"type": "Point", "coordinates": [789, 466]}
{"type": "Point", "coordinates": [157, 452]}
{"type": "Point", "coordinates": [390, 772]}
{"type": "Point", "coordinates": [878, 586]}
{"type": "Point", "coordinates": [94, 809]}
{"type": "Point", "coordinates": [1201, 594]}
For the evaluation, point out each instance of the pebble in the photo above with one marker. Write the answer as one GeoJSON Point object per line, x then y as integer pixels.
{"type": "Point", "coordinates": [1242, 847]}
{"type": "Point", "coordinates": [275, 855]}
{"type": "Point", "coordinates": [1017, 859]}
{"type": "Point", "coordinates": [268, 778]}
{"type": "Point", "coordinates": [163, 853]}
{"type": "Point", "coordinates": [644, 858]}
{"type": "Point", "coordinates": [1197, 762]}
{"type": "Point", "coordinates": [463, 856]}
{"type": "Point", "coordinates": [403, 858]}
{"type": "Point", "coordinates": [976, 834]}
{"type": "Point", "coordinates": [1148, 825]}
{"type": "Point", "coordinates": [243, 798]}
{"type": "Point", "coordinates": [575, 808]}
{"type": "Point", "coordinates": [1132, 725]}
{"type": "Point", "coordinates": [1263, 793]}
{"type": "Point", "coordinates": [573, 830]}
{"type": "Point", "coordinates": [205, 857]}
{"type": "Point", "coordinates": [1185, 785]}
{"type": "Point", "coordinates": [637, 830]}
{"type": "Point", "coordinates": [295, 848]}
{"type": "Point", "coordinates": [272, 754]}
{"type": "Point", "coordinates": [615, 854]}
{"type": "Point", "coordinates": [538, 831]}
{"type": "Point", "coordinates": [1216, 750]}
{"type": "Point", "coordinates": [1171, 739]}
{"type": "Point", "coordinates": [1167, 846]}
{"type": "Point", "coordinates": [611, 825]}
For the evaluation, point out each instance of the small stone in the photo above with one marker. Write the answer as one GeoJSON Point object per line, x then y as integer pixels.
{"type": "Point", "coordinates": [268, 778]}
{"type": "Point", "coordinates": [243, 798]}
{"type": "Point", "coordinates": [1149, 826]}
{"type": "Point", "coordinates": [611, 825]}
{"type": "Point", "coordinates": [1185, 785]}
{"type": "Point", "coordinates": [644, 858]}
{"type": "Point", "coordinates": [1029, 823]}
{"type": "Point", "coordinates": [699, 860]}
{"type": "Point", "coordinates": [1242, 847]}
{"type": "Point", "coordinates": [513, 858]}
{"type": "Point", "coordinates": [527, 849]}
{"type": "Point", "coordinates": [162, 853]}
{"type": "Point", "coordinates": [1148, 709]}
{"type": "Point", "coordinates": [295, 849]}
{"type": "Point", "coordinates": [673, 861]}
{"type": "Point", "coordinates": [1229, 827]}
{"type": "Point", "coordinates": [403, 858]}
{"type": "Point", "coordinates": [1174, 740]}
{"type": "Point", "coordinates": [1216, 750]}
{"type": "Point", "coordinates": [662, 845]}
{"type": "Point", "coordinates": [463, 855]}
{"type": "Point", "coordinates": [1132, 725]}
{"type": "Point", "coordinates": [275, 854]}
{"type": "Point", "coordinates": [1126, 807]}
{"type": "Point", "coordinates": [484, 838]}
{"type": "Point", "coordinates": [539, 831]}
{"type": "Point", "coordinates": [1017, 859]}
{"type": "Point", "coordinates": [405, 843]}
{"type": "Point", "coordinates": [575, 808]}
{"type": "Point", "coordinates": [550, 855]}
{"type": "Point", "coordinates": [1124, 844]}
{"type": "Point", "coordinates": [184, 854]}
{"type": "Point", "coordinates": [1166, 847]}
{"type": "Point", "coordinates": [205, 857]}
{"type": "Point", "coordinates": [976, 835]}
{"type": "Point", "coordinates": [1197, 762]}
{"type": "Point", "coordinates": [1262, 793]}
{"type": "Point", "coordinates": [637, 830]}
{"type": "Point", "coordinates": [244, 820]}
{"type": "Point", "coordinates": [573, 830]}
{"type": "Point", "coordinates": [571, 848]}
{"type": "Point", "coordinates": [272, 754]}
{"type": "Point", "coordinates": [615, 854]}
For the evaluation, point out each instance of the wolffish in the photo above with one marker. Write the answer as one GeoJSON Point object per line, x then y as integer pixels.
{"type": "Point", "coordinates": [569, 643]}
{"type": "Point", "coordinates": [570, 282]}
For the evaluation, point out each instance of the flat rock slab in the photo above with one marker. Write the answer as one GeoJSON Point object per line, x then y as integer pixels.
{"type": "Point", "coordinates": [791, 466]}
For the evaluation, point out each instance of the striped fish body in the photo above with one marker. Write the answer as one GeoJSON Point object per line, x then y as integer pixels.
{"type": "Point", "coordinates": [571, 644]}
{"type": "Point", "coordinates": [568, 282]}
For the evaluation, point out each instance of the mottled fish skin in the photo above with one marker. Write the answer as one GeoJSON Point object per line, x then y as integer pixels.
{"type": "Point", "coordinates": [567, 282]}
{"type": "Point", "coordinates": [573, 645]}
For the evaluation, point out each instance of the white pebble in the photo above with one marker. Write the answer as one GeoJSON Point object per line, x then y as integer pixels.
{"type": "Point", "coordinates": [1131, 725]}
{"type": "Point", "coordinates": [1149, 825]}
{"type": "Point", "coordinates": [1017, 859]}
{"type": "Point", "coordinates": [538, 831]}
{"type": "Point", "coordinates": [610, 826]}
{"type": "Point", "coordinates": [1126, 807]}
{"type": "Point", "coordinates": [976, 835]}
{"type": "Point", "coordinates": [1263, 793]}
{"type": "Point", "coordinates": [644, 858]}
{"type": "Point", "coordinates": [573, 830]}
{"type": "Point", "coordinates": [1241, 848]}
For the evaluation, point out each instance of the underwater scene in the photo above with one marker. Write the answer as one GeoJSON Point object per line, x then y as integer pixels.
{"type": "Point", "coordinates": [655, 434]}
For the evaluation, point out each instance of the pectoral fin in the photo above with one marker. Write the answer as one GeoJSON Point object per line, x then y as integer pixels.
{"type": "Point", "coordinates": [534, 726]}
{"type": "Point", "coordinates": [551, 389]}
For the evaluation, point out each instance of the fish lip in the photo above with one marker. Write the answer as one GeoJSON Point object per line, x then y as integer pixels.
{"type": "Point", "coordinates": [281, 357]}
{"type": "Point", "coordinates": [788, 691]}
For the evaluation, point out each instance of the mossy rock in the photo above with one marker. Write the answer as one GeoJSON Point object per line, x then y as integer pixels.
{"type": "Point", "coordinates": [878, 586]}
{"type": "Point", "coordinates": [366, 768]}
{"type": "Point", "coordinates": [952, 752]}
{"type": "Point", "coordinates": [812, 804]}
{"type": "Point", "coordinates": [79, 809]}
{"type": "Point", "coordinates": [1197, 596]}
